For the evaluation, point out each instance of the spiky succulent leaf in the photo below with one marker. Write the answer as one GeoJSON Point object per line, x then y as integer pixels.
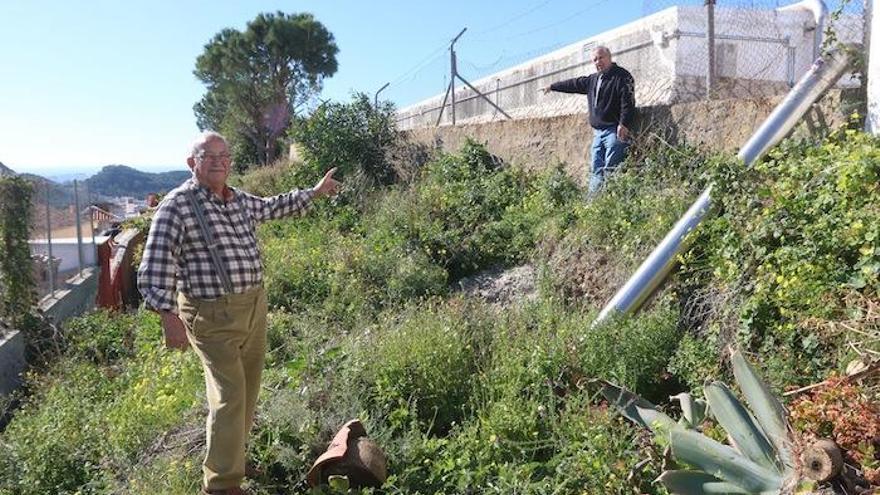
{"type": "Point", "coordinates": [722, 462]}
{"type": "Point", "coordinates": [767, 409]}
{"type": "Point", "coordinates": [658, 422]}
{"type": "Point", "coordinates": [626, 402]}
{"type": "Point", "coordinates": [693, 411]}
{"type": "Point", "coordinates": [697, 483]}
{"type": "Point", "coordinates": [738, 423]}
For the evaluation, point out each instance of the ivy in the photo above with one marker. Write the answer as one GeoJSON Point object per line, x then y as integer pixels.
{"type": "Point", "coordinates": [17, 294]}
{"type": "Point", "coordinates": [796, 238]}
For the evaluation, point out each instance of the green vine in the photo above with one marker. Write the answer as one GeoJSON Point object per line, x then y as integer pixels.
{"type": "Point", "coordinates": [17, 294]}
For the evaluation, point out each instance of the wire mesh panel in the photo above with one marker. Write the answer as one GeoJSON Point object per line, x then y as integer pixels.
{"type": "Point", "coordinates": [761, 47]}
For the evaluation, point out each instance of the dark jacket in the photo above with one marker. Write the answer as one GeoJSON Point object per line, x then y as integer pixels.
{"type": "Point", "coordinates": [616, 103]}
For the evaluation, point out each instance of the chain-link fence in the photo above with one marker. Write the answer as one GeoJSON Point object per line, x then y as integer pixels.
{"type": "Point", "coordinates": [755, 48]}
{"type": "Point", "coordinates": [760, 48]}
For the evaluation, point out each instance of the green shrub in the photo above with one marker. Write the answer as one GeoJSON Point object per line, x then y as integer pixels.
{"type": "Point", "coordinates": [54, 443]}
{"type": "Point", "coordinates": [420, 366]}
{"type": "Point", "coordinates": [466, 212]}
{"type": "Point", "coordinates": [103, 337]}
{"type": "Point", "coordinates": [796, 235]}
{"type": "Point", "coordinates": [86, 421]}
{"type": "Point", "coordinates": [354, 136]}
{"type": "Point", "coordinates": [631, 350]}
{"type": "Point", "coordinates": [638, 205]}
{"type": "Point", "coordinates": [696, 360]}
{"type": "Point", "coordinates": [296, 269]}
{"type": "Point", "coordinates": [277, 178]}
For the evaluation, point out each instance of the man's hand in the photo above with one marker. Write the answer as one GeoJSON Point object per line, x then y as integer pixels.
{"type": "Point", "coordinates": [328, 186]}
{"type": "Point", "coordinates": [622, 133]}
{"type": "Point", "coordinates": [545, 90]}
{"type": "Point", "coordinates": [174, 331]}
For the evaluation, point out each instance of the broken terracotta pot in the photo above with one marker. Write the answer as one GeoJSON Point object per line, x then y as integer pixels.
{"type": "Point", "coordinates": [353, 455]}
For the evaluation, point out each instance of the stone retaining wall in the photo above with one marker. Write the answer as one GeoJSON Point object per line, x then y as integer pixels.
{"type": "Point", "coordinates": [715, 125]}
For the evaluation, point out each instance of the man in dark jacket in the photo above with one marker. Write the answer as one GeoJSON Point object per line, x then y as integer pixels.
{"type": "Point", "coordinates": [612, 111]}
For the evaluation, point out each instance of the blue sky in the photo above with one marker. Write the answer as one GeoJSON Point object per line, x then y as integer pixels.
{"type": "Point", "coordinates": [84, 84]}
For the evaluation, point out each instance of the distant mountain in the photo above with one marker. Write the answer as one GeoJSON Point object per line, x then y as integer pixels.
{"type": "Point", "coordinates": [60, 195]}
{"type": "Point", "coordinates": [119, 180]}
{"type": "Point", "coordinates": [70, 176]}
{"type": "Point", "coordinates": [4, 170]}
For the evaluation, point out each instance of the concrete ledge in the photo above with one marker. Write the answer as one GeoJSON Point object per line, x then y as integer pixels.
{"type": "Point", "coordinates": [12, 362]}
{"type": "Point", "coordinates": [78, 297]}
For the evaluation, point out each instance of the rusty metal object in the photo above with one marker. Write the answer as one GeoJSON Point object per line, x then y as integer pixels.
{"type": "Point", "coordinates": [353, 455]}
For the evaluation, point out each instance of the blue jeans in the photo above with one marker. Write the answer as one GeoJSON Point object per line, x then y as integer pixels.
{"type": "Point", "coordinates": [607, 152]}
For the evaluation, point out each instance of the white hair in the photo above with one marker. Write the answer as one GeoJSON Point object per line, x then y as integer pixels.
{"type": "Point", "coordinates": [200, 141]}
{"type": "Point", "coordinates": [602, 49]}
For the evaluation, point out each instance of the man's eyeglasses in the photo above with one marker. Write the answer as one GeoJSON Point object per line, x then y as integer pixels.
{"type": "Point", "coordinates": [209, 158]}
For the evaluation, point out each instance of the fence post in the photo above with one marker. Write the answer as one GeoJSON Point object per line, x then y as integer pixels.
{"type": "Point", "coordinates": [710, 46]}
{"type": "Point", "coordinates": [79, 239]}
{"type": "Point", "coordinates": [49, 240]}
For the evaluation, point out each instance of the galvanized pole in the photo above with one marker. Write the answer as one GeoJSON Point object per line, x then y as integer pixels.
{"type": "Point", "coordinates": [78, 226]}
{"type": "Point", "coordinates": [49, 241]}
{"type": "Point", "coordinates": [820, 13]}
{"type": "Point", "coordinates": [454, 70]}
{"type": "Point", "coordinates": [92, 226]}
{"type": "Point", "coordinates": [452, 78]}
{"type": "Point", "coordinates": [376, 96]}
{"type": "Point", "coordinates": [710, 45]}
{"type": "Point", "coordinates": [653, 271]}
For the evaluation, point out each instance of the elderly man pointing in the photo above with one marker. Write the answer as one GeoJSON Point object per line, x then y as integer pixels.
{"type": "Point", "coordinates": [611, 101]}
{"type": "Point", "coordinates": [201, 271]}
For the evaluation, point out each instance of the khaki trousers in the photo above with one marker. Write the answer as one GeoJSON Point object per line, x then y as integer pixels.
{"type": "Point", "coordinates": [229, 336]}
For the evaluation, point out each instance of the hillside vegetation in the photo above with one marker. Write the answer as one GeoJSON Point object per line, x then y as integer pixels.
{"type": "Point", "coordinates": [467, 397]}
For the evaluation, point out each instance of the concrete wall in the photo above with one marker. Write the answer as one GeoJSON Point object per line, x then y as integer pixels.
{"type": "Point", "coordinates": [75, 299]}
{"type": "Point", "coordinates": [758, 54]}
{"type": "Point", "coordinates": [65, 249]}
{"type": "Point", "coordinates": [12, 362]}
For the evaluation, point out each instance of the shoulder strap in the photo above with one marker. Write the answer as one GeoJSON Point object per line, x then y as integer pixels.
{"type": "Point", "coordinates": [209, 240]}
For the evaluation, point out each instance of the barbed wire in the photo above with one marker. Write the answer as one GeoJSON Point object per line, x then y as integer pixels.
{"type": "Point", "coordinates": [514, 18]}
{"type": "Point", "coordinates": [568, 18]}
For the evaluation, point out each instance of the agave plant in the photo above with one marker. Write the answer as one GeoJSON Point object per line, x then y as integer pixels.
{"type": "Point", "coordinates": [759, 457]}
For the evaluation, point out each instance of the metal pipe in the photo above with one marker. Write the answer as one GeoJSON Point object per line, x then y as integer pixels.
{"type": "Point", "coordinates": [92, 226]}
{"type": "Point", "coordinates": [821, 76]}
{"type": "Point", "coordinates": [653, 271]}
{"type": "Point", "coordinates": [49, 240]}
{"type": "Point", "coordinates": [452, 78]}
{"type": "Point", "coordinates": [78, 226]}
{"type": "Point", "coordinates": [819, 11]}
{"type": "Point", "coordinates": [710, 46]}
{"type": "Point", "coordinates": [376, 96]}
{"type": "Point", "coordinates": [728, 37]}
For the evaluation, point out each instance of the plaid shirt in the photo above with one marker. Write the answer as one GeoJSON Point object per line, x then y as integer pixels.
{"type": "Point", "coordinates": [176, 256]}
